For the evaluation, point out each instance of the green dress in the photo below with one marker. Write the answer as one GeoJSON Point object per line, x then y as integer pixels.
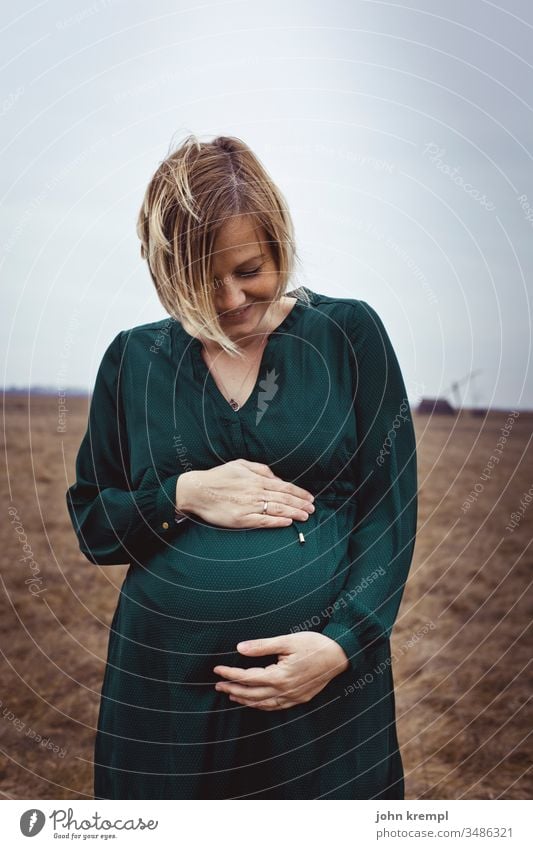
{"type": "Point", "coordinates": [329, 412]}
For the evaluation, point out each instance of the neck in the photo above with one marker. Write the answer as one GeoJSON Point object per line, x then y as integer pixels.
{"type": "Point", "coordinates": [272, 317]}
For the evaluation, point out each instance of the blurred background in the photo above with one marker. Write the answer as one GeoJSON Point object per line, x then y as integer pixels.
{"type": "Point", "coordinates": [401, 138]}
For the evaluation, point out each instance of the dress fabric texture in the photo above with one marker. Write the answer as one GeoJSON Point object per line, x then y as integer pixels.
{"type": "Point", "coordinates": [328, 412]}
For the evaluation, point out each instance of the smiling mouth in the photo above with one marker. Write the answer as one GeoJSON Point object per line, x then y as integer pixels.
{"type": "Point", "coordinates": [236, 313]}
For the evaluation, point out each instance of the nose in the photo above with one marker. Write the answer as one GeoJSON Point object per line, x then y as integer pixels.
{"type": "Point", "coordinates": [230, 296]}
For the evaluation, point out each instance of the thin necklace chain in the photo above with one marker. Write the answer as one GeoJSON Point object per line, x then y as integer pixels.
{"type": "Point", "coordinates": [232, 402]}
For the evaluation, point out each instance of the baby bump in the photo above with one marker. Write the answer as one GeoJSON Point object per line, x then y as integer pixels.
{"type": "Point", "coordinates": [244, 583]}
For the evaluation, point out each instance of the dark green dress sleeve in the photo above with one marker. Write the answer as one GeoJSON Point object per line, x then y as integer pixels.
{"type": "Point", "coordinates": [112, 520]}
{"type": "Point", "coordinates": [384, 466]}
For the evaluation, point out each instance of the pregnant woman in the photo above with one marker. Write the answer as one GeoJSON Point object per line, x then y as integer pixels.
{"type": "Point", "coordinates": [253, 459]}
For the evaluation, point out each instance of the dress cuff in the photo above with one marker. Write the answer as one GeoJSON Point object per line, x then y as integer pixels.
{"type": "Point", "coordinates": [166, 504]}
{"type": "Point", "coordinates": [348, 641]}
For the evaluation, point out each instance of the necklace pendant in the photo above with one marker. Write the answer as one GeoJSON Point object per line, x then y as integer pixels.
{"type": "Point", "coordinates": [233, 404]}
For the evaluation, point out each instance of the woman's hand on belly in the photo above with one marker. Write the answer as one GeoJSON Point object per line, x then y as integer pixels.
{"type": "Point", "coordinates": [233, 494]}
{"type": "Point", "coordinates": [307, 661]}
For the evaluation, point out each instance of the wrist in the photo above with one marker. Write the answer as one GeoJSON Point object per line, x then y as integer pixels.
{"type": "Point", "coordinates": [341, 659]}
{"type": "Point", "coordinates": [183, 500]}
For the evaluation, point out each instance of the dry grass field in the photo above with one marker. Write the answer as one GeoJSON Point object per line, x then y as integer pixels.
{"type": "Point", "coordinates": [460, 648]}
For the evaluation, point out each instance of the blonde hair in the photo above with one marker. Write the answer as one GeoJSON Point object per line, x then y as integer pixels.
{"type": "Point", "coordinates": [194, 191]}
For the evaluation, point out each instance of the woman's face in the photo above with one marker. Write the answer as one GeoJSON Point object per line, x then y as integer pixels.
{"type": "Point", "coordinates": [245, 276]}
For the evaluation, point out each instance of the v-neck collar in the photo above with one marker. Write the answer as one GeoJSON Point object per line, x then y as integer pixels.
{"type": "Point", "coordinates": [207, 381]}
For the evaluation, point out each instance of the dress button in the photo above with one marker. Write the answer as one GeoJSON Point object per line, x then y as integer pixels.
{"type": "Point", "coordinates": [165, 525]}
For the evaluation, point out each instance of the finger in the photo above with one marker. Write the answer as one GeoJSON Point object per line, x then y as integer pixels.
{"type": "Point", "coordinates": [280, 508]}
{"type": "Point", "coordinates": [280, 485]}
{"type": "Point", "coordinates": [277, 483]}
{"type": "Point", "coordinates": [254, 694]}
{"type": "Point", "coordinates": [254, 675]}
{"type": "Point", "coordinates": [268, 705]}
{"type": "Point", "coordinates": [285, 499]}
{"type": "Point", "coordinates": [265, 645]}
{"type": "Point", "coordinates": [263, 520]}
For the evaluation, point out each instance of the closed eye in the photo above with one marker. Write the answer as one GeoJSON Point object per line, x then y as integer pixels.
{"type": "Point", "coordinates": [250, 273]}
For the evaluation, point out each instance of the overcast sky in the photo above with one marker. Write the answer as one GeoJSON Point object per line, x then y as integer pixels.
{"type": "Point", "coordinates": [401, 137]}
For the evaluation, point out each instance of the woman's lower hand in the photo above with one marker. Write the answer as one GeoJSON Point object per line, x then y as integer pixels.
{"type": "Point", "coordinates": [307, 661]}
{"type": "Point", "coordinates": [232, 495]}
